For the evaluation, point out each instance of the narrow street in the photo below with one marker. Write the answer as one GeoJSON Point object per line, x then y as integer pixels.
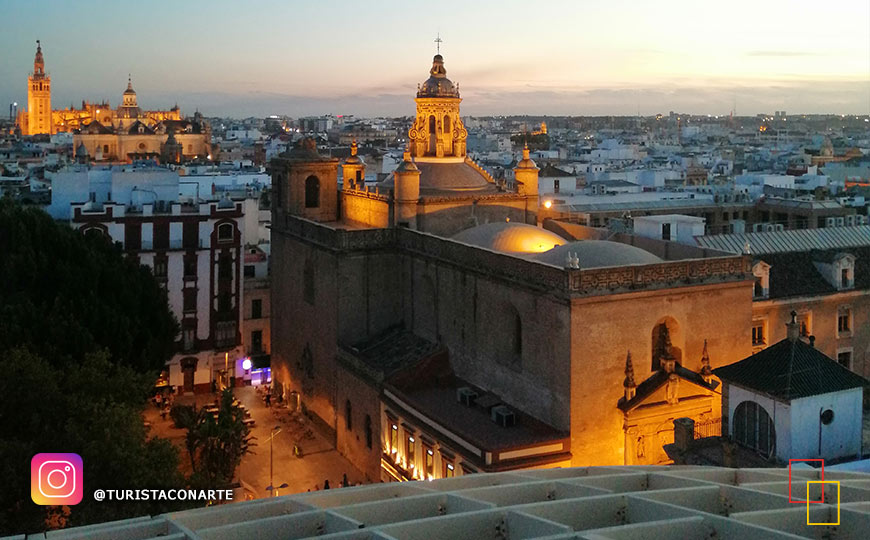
{"type": "Point", "coordinates": [319, 461]}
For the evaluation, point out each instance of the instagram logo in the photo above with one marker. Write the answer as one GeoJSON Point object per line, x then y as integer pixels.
{"type": "Point", "coordinates": [56, 479]}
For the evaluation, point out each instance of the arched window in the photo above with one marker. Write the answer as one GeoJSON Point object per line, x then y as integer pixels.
{"type": "Point", "coordinates": [348, 415]}
{"type": "Point", "coordinates": [432, 125]}
{"type": "Point", "coordinates": [105, 148]}
{"type": "Point", "coordinates": [225, 232]}
{"type": "Point", "coordinates": [308, 282]}
{"type": "Point", "coordinates": [368, 430]}
{"type": "Point", "coordinates": [511, 349]}
{"type": "Point", "coordinates": [312, 192]}
{"type": "Point", "coordinates": [446, 124]}
{"type": "Point", "coordinates": [754, 429]}
{"type": "Point", "coordinates": [93, 231]}
{"type": "Point", "coordinates": [518, 335]}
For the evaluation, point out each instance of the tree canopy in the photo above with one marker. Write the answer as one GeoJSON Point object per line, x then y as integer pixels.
{"type": "Point", "coordinates": [64, 295]}
{"type": "Point", "coordinates": [215, 443]}
{"type": "Point", "coordinates": [83, 333]}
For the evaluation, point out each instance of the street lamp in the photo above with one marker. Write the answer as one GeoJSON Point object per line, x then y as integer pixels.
{"type": "Point", "coordinates": [274, 490]}
{"type": "Point", "coordinates": [275, 430]}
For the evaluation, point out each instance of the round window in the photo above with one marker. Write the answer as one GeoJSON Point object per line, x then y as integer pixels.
{"type": "Point", "coordinates": [827, 416]}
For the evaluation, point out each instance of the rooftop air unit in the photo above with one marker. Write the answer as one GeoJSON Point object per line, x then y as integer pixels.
{"type": "Point", "coordinates": [503, 416]}
{"type": "Point", "coordinates": [466, 396]}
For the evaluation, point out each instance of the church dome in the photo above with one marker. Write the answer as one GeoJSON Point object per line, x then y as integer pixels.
{"type": "Point", "coordinates": [598, 254]}
{"type": "Point", "coordinates": [513, 238]}
{"type": "Point", "coordinates": [438, 85]}
{"type": "Point", "coordinates": [129, 91]}
{"type": "Point", "coordinates": [445, 179]}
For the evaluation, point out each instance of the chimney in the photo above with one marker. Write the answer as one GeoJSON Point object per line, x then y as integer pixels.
{"type": "Point", "coordinates": [793, 328]}
{"type": "Point", "coordinates": [684, 433]}
{"type": "Point", "coordinates": [812, 341]}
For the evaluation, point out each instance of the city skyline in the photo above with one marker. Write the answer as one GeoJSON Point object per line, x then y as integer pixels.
{"type": "Point", "coordinates": [624, 58]}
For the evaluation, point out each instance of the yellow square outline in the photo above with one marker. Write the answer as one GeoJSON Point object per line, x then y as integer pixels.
{"type": "Point", "coordinates": [808, 499]}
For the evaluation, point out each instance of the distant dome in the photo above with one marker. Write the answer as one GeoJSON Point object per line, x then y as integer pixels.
{"type": "Point", "coordinates": [438, 85]}
{"type": "Point", "coordinates": [510, 237]}
{"type": "Point", "coordinates": [598, 254]}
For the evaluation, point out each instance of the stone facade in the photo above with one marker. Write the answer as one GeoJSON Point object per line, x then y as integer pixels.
{"type": "Point", "coordinates": [541, 341]}
{"type": "Point", "coordinates": [576, 324]}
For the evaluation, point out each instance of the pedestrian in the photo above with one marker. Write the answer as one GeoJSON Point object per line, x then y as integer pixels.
{"type": "Point", "coordinates": [344, 482]}
{"type": "Point", "coordinates": [326, 484]}
{"type": "Point", "coordinates": [268, 400]}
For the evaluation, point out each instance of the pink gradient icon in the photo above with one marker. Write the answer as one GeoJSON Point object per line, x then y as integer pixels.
{"type": "Point", "coordinates": [56, 479]}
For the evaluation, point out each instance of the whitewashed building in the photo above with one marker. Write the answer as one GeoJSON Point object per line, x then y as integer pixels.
{"type": "Point", "coordinates": [793, 402]}
{"type": "Point", "coordinates": [194, 249]}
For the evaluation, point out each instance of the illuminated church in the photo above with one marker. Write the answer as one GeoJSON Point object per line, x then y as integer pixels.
{"type": "Point", "coordinates": [436, 327]}
{"type": "Point", "coordinates": [108, 134]}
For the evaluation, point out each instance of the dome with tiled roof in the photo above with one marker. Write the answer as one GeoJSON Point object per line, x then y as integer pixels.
{"type": "Point", "coordinates": [438, 85]}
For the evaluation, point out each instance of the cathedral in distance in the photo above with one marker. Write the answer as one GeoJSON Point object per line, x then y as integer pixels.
{"type": "Point", "coordinates": [106, 134]}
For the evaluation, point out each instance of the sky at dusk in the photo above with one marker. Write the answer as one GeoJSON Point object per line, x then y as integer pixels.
{"type": "Point", "coordinates": [579, 57]}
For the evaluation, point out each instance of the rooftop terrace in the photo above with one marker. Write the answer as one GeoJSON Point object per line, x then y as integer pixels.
{"type": "Point", "coordinates": [576, 503]}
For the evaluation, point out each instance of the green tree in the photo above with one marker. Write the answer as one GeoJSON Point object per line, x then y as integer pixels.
{"type": "Point", "coordinates": [216, 444]}
{"type": "Point", "coordinates": [83, 331]}
{"type": "Point", "coordinates": [65, 295]}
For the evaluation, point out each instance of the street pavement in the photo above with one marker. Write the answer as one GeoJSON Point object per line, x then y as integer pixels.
{"type": "Point", "coordinates": [319, 461]}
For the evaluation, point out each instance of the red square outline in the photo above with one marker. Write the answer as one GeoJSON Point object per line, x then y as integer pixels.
{"type": "Point", "coordinates": [789, 482]}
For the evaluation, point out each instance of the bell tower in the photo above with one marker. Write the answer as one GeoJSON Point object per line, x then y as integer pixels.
{"type": "Point", "coordinates": [437, 130]}
{"type": "Point", "coordinates": [305, 184]}
{"type": "Point", "coordinates": [39, 97]}
{"type": "Point", "coordinates": [353, 170]}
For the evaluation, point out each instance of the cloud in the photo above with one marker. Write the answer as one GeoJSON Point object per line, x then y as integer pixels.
{"type": "Point", "coordinates": [781, 54]}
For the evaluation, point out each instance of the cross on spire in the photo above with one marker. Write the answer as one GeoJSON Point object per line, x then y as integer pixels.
{"type": "Point", "coordinates": [438, 42]}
